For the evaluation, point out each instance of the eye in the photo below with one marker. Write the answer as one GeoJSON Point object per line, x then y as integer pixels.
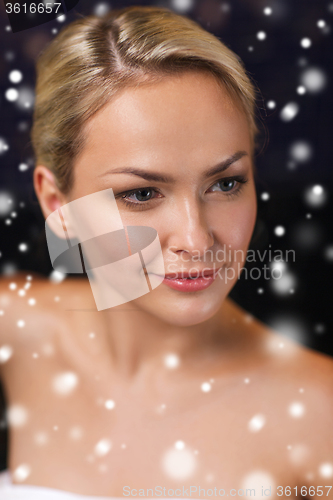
{"type": "Point", "coordinates": [139, 199]}
{"type": "Point", "coordinates": [231, 186]}
{"type": "Point", "coordinates": [224, 185]}
{"type": "Point", "coordinates": [144, 194]}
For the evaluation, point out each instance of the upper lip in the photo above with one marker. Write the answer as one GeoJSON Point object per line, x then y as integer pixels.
{"type": "Point", "coordinates": [194, 274]}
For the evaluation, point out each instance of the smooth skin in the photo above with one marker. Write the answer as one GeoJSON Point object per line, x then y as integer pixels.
{"type": "Point", "coordinates": [181, 127]}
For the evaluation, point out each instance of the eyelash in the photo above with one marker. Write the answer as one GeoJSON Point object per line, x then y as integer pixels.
{"type": "Point", "coordinates": [141, 205]}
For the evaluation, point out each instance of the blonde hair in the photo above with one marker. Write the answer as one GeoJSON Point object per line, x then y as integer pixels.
{"type": "Point", "coordinates": [94, 57]}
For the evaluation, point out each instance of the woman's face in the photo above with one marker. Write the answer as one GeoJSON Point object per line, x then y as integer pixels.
{"type": "Point", "coordinates": [177, 155]}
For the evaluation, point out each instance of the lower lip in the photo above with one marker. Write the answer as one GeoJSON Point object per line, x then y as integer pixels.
{"type": "Point", "coordinates": [190, 285]}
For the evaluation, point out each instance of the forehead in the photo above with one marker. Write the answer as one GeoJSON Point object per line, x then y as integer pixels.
{"type": "Point", "coordinates": [181, 116]}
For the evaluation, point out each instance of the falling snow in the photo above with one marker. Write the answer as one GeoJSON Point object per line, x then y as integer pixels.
{"type": "Point", "coordinates": [76, 433]}
{"type": "Point", "coordinates": [261, 35]}
{"type": "Point", "coordinates": [315, 196]}
{"type": "Point", "coordinates": [57, 276]}
{"type": "Point", "coordinates": [178, 462]}
{"type": "Point", "coordinates": [182, 6]}
{"type": "Point", "coordinates": [17, 415]}
{"type": "Point", "coordinates": [299, 454]}
{"type": "Point", "coordinates": [22, 472]}
{"type": "Point", "coordinates": [109, 404]}
{"type": "Point", "coordinates": [305, 43]}
{"type": "Point", "coordinates": [301, 151]}
{"type": "Point", "coordinates": [101, 9]}
{"type": "Point", "coordinates": [3, 148]}
{"type": "Point", "coordinates": [15, 76]}
{"type": "Point", "coordinates": [171, 361]}
{"type": "Point", "coordinates": [325, 470]}
{"type": "Point", "coordinates": [206, 387]}
{"type": "Point", "coordinates": [279, 231]}
{"type": "Point", "coordinates": [11, 95]}
{"type": "Point", "coordinates": [328, 253]}
{"type": "Point", "coordinates": [284, 284]}
{"type": "Point", "coordinates": [23, 247]}
{"type": "Point", "coordinates": [257, 423]}
{"type": "Point", "coordinates": [41, 438]}
{"type": "Point", "coordinates": [103, 447]}
{"type": "Point", "coordinates": [6, 352]}
{"type": "Point", "coordinates": [268, 11]}
{"type": "Point", "coordinates": [320, 328]}
{"type": "Point", "coordinates": [259, 479]}
{"type": "Point", "coordinates": [296, 410]}
{"type": "Point", "coordinates": [314, 80]}
{"type": "Point", "coordinates": [271, 104]}
{"type": "Point", "coordinates": [289, 111]}
{"type": "Point", "coordinates": [65, 383]}
{"type": "Point", "coordinates": [301, 90]}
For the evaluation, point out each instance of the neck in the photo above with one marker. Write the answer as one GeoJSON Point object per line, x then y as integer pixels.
{"type": "Point", "coordinates": [137, 342]}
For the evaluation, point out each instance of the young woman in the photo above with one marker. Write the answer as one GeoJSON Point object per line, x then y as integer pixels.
{"type": "Point", "coordinates": [178, 392]}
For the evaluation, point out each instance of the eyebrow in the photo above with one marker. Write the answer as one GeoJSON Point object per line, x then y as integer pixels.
{"type": "Point", "coordinates": [155, 177]}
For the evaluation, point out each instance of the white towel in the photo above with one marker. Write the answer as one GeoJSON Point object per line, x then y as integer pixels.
{"type": "Point", "coordinates": [10, 491]}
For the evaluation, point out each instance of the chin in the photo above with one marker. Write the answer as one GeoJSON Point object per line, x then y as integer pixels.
{"type": "Point", "coordinates": [182, 309]}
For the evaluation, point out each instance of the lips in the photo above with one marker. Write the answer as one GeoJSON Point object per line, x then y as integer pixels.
{"type": "Point", "coordinates": [192, 280]}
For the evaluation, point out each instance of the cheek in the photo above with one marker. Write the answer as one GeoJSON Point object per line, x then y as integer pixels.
{"type": "Point", "coordinates": [236, 224]}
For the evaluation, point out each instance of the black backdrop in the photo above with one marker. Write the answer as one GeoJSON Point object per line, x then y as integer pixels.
{"type": "Point", "coordinates": [287, 49]}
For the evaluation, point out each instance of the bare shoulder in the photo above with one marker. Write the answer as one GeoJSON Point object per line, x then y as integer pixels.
{"type": "Point", "coordinates": [298, 364]}
{"type": "Point", "coordinates": [296, 382]}
{"type": "Point", "coordinates": [279, 356]}
{"type": "Point", "coordinates": [31, 303]}
{"type": "Point", "coordinates": [299, 388]}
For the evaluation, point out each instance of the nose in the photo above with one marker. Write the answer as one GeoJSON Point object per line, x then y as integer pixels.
{"type": "Point", "coordinates": [190, 230]}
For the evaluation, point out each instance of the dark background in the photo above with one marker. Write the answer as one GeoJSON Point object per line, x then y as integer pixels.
{"type": "Point", "coordinates": [294, 157]}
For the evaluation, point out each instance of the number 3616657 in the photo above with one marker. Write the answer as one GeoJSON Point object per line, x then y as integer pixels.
{"type": "Point", "coordinates": [304, 491]}
{"type": "Point", "coordinates": [33, 8]}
